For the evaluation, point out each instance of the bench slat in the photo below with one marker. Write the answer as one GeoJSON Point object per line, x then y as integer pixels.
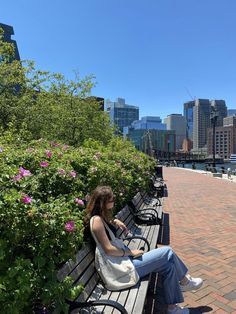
{"type": "Point", "coordinates": [90, 286]}
{"type": "Point", "coordinates": [122, 299]}
{"type": "Point", "coordinates": [71, 264]}
{"type": "Point", "coordinates": [82, 267]}
{"type": "Point", "coordinates": [141, 296]}
{"type": "Point", "coordinates": [131, 298]}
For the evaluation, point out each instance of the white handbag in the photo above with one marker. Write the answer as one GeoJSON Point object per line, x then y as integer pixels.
{"type": "Point", "coordinates": [116, 272]}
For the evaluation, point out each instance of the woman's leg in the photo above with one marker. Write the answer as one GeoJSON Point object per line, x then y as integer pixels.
{"type": "Point", "coordinates": [169, 265]}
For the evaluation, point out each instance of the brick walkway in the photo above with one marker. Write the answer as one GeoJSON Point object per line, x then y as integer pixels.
{"type": "Point", "coordinates": [202, 216]}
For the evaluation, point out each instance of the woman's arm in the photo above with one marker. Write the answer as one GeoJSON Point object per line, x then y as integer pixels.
{"type": "Point", "coordinates": [118, 223]}
{"type": "Point", "coordinates": [100, 233]}
{"type": "Point", "coordinates": [109, 249]}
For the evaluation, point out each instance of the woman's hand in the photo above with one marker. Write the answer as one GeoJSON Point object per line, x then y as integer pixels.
{"type": "Point", "coordinates": [120, 225]}
{"type": "Point", "coordinates": [135, 253]}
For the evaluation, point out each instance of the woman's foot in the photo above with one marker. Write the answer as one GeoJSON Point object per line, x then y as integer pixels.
{"type": "Point", "coordinates": [178, 310]}
{"type": "Point", "coordinates": [191, 284]}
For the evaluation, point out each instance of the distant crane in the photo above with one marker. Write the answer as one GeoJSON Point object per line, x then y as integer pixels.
{"type": "Point", "coordinates": [188, 92]}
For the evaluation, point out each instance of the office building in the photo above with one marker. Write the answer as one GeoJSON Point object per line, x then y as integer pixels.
{"type": "Point", "coordinates": [231, 112]}
{"type": "Point", "coordinates": [153, 140]}
{"type": "Point", "coordinates": [201, 122]}
{"type": "Point", "coordinates": [224, 141]}
{"type": "Point", "coordinates": [177, 122]}
{"type": "Point", "coordinates": [8, 32]}
{"type": "Point", "coordinates": [188, 114]}
{"type": "Point", "coordinates": [121, 114]}
{"type": "Point", "coordinates": [225, 138]}
{"type": "Point", "coordinates": [149, 122]}
{"type": "Point", "coordinates": [220, 108]}
{"type": "Point", "coordinates": [229, 121]}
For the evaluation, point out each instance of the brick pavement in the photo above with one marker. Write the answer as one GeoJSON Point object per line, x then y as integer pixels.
{"type": "Point", "coordinates": [202, 220]}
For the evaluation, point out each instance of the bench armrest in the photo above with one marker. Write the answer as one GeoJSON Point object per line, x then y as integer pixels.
{"type": "Point", "coordinates": [154, 219]}
{"type": "Point", "coordinates": [138, 237]}
{"type": "Point", "coordinates": [142, 214]}
{"type": "Point", "coordinates": [78, 305]}
{"type": "Point", "coordinates": [154, 199]}
{"type": "Point", "coordinates": [143, 210]}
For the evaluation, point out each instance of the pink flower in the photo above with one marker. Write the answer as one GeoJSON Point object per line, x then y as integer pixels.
{"type": "Point", "coordinates": [17, 178]}
{"type": "Point", "coordinates": [24, 173]}
{"type": "Point", "coordinates": [72, 174]}
{"type": "Point", "coordinates": [65, 147]}
{"type": "Point", "coordinates": [26, 199]}
{"type": "Point", "coordinates": [62, 172]}
{"type": "Point", "coordinates": [70, 226]}
{"type": "Point", "coordinates": [48, 153]}
{"type": "Point", "coordinates": [55, 144]}
{"type": "Point", "coordinates": [79, 201]}
{"type": "Point", "coordinates": [44, 164]}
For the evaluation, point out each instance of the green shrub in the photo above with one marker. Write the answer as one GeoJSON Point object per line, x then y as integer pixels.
{"type": "Point", "coordinates": [41, 211]}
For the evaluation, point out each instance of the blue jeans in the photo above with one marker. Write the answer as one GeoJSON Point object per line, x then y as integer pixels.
{"type": "Point", "coordinates": [165, 262]}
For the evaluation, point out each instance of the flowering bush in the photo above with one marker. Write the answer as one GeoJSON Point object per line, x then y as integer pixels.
{"type": "Point", "coordinates": [43, 186]}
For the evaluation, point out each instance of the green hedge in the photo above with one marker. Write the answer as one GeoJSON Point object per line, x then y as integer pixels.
{"type": "Point", "coordinates": [41, 211]}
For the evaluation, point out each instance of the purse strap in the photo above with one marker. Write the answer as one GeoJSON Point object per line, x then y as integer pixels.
{"type": "Point", "coordinates": [111, 234]}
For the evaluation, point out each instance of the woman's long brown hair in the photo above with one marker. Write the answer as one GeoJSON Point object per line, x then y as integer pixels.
{"type": "Point", "coordinates": [97, 203]}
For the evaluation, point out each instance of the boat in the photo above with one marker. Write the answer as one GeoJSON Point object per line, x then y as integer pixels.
{"type": "Point", "coordinates": [233, 158]}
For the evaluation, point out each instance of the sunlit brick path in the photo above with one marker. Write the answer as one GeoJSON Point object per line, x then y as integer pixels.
{"type": "Point", "coordinates": [202, 215]}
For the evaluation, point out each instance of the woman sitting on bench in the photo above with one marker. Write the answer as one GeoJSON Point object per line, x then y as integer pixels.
{"type": "Point", "coordinates": [161, 260]}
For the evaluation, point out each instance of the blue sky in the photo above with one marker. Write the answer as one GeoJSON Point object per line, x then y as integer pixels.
{"type": "Point", "coordinates": [153, 53]}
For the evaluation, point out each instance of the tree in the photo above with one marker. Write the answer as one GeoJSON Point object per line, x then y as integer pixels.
{"type": "Point", "coordinates": [47, 104]}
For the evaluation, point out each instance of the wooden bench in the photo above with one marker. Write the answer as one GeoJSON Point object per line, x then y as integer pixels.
{"type": "Point", "coordinates": [139, 205]}
{"type": "Point", "coordinates": [82, 271]}
{"type": "Point", "coordinates": [149, 199]}
{"type": "Point", "coordinates": [157, 187]}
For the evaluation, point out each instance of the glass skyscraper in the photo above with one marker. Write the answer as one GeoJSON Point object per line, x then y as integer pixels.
{"type": "Point", "coordinates": [201, 119]}
{"type": "Point", "coordinates": [149, 122]}
{"type": "Point", "coordinates": [188, 114]}
{"type": "Point", "coordinates": [145, 139]}
{"type": "Point", "coordinates": [220, 107]}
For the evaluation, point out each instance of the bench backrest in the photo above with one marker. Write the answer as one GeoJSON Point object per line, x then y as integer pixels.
{"type": "Point", "coordinates": [138, 200]}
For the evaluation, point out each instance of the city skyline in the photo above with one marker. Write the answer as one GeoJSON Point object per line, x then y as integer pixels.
{"type": "Point", "coordinates": [155, 55]}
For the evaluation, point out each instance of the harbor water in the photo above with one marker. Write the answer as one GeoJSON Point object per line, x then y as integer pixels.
{"type": "Point", "coordinates": [202, 166]}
